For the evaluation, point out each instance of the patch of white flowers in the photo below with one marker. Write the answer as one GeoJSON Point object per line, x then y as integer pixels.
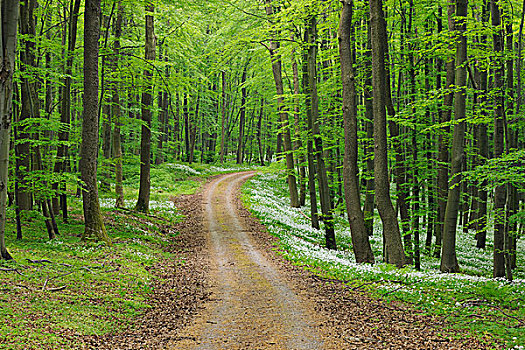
{"type": "Point", "coordinates": [307, 244]}
{"type": "Point", "coordinates": [182, 167]}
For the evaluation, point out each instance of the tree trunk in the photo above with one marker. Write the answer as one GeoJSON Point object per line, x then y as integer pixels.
{"type": "Point", "coordinates": [147, 104]}
{"type": "Point", "coordinates": [511, 226]}
{"type": "Point", "coordinates": [223, 115]}
{"type": "Point", "coordinates": [23, 144]}
{"type": "Point", "coordinates": [9, 18]}
{"type": "Point", "coordinates": [287, 139]}
{"type": "Point", "coordinates": [242, 116]}
{"type": "Point", "coordinates": [192, 126]}
{"type": "Point", "coordinates": [322, 178]}
{"type": "Point", "coordinates": [393, 246]}
{"type": "Point", "coordinates": [449, 262]}
{"type": "Point", "coordinates": [514, 202]}
{"type": "Point", "coordinates": [65, 110]}
{"type": "Point", "coordinates": [443, 140]}
{"type": "Point", "coordinates": [298, 144]}
{"type": "Point", "coordinates": [483, 145]}
{"type": "Point", "coordinates": [94, 226]}
{"type": "Point", "coordinates": [500, 195]}
{"type": "Point", "coordinates": [368, 207]}
{"type": "Point", "coordinates": [360, 242]}
{"type": "Point", "coordinates": [259, 133]}
{"type": "Point", "coordinates": [314, 211]}
{"type": "Point", "coordinates": [116, 113]}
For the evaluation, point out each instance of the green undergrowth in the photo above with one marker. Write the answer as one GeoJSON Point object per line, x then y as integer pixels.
{"type": "Point", "coordinates": [490, 309]}
{"type": "Point", "coordinates": [65, 287]}
{"type": "Point", "coordinates": [55, 292]}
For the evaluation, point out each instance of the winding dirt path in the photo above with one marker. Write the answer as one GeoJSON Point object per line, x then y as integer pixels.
{"type": "Point", "coordinates": [252, 306]}
{"type": "Point", "coordinates": [234, 292]}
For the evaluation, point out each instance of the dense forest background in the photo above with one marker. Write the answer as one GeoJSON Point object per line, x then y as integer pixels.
{"type": "Point", "coordinates": [412, 110]}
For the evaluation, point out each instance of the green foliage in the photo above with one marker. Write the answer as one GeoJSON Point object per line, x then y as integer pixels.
{"type": "Point", "coordinates": [498, 171]}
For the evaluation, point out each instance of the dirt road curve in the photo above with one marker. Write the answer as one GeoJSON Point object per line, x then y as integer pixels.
{"type": "Point", "coordinates": [233, 292]}
{"type": "Point", "coordinates": [252, 305]}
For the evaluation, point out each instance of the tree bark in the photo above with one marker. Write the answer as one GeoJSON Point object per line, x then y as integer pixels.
{"type": "Point", "coordinates": [298, 144]}
{"type": "Point", "coordinates": [368, 206]}
{"type": "Point", "coordinates": [449, 262]}
{"type": "Point", "coordinates": [511, 226]}
{"type": "Point", "coordinates": [393, 246]}
{"type": "Point", "coordinates": [259, 133]}
{"type": "Point", "coordinates": [500, 195]}
{"type": "Point", "coordinates": [147, 101]}
{"type": "Point", "coordinates": [23, 144]}
{"type": "Point", "coordinates": [360, 242]}
{"type": "Point", "coordinates": [483, 145]}
{"type": "Point", "coordinates": [287, 139]}
{"type": "Point", "coordinates": [322, 178]}
{"type": "Point", "coordinates": [519, 101]}
{"type": "Point", "coordinates": [443, 139]}
{"type": "Point", "coordinates": [116, 114]}
{"type": "Point", "coordinates": [242, 115]}
{"type": "Point", "coordinates": [9, 12]}
{"type": "Point", "coordinates": [192, 126]}
{"type": "Point", "coordinates": [223, 115]}
{"type": "Point", "coordinates": [94, 226]}
{"type": "Point", "coordinates": [314, 212]}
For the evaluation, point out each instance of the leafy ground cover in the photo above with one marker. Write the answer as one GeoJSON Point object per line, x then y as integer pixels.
{"type": "Point", "coordinates": [55, 291]}
{"type": "Point", "coordinates": [489, 308]}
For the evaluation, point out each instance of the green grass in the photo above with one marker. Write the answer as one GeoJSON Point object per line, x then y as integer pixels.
{"type": "Point", "coordinates": [492, 309]}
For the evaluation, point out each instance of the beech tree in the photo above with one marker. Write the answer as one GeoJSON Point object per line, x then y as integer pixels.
{"type": "Point", "coordinates": [9, 16]}
{"type": "Point", "coordinates": [361, 243]}
{"type": "Point", "coordinates": [449, 262]}
{"type": "Point", "coordinates": [288, 150]}
{"type": "Point", "coordinates": [393, 246]}
{"type": "Point", "coordinates": [145, 140]}
{"type": "Point", "coordinates": [94, 225]}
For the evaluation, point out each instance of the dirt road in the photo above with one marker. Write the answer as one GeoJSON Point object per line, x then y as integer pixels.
{"type": "Point", "coordinates": [252, 305]}
{"type": "Point", "coordinates": [232, 291]}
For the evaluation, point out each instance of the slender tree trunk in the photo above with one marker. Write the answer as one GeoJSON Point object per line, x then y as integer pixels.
{"type": "Point", "coordinates": [368, 207]}
{"type": "Point", "coordinates": [259, 133]}
{"type": "Point", "coordinates": [242, 116]}
{"type": "Point", "coordinates": [393, 246]}
{"type": "Point", "coordinates": [192, 126]}
{"type": "Point", "coordinates": [23, 144]}
{"type": "Point", "coordinates": [360, 241]}
{"type": "Point", "coordinates": [223, 115]}
{"type": "Point", "coordinates": [147, 101]}
{"type": "Point", "coordinates": [432, 183]}
{"type": "Point", "coordinates": [500, 195]}
{"type": "Point", "coordinates": [45, 203]}
{"type": "Point", "coordinates": [449, 262]}
{"type": "Point", "coordinates": [514, 202]}
{"type": "Point", "coordinates": [443, 140]}
{"type": "Point", "coordinates": [322, 178]}
{"type": "Point", "coordinates": [287, 139]}
{"type": "Point", "coordinates": [116, 114]}
{"type": "Point", "coordinates": [65, 111]}
{"type": "Point", "coordinates": [511, 226]}
{"type": "Point", "coordinates": [298, 144]}
{"type": "Point", "coordinates": [163, 116]}
{"type": "Point", "coordinates": [185, 109]}
{"type": "Point", "coordinates": [314, 212]}
{"type": "Point", "coordinates": [94, 226]}
{"type": "Point", "coordinates": [483, 143]}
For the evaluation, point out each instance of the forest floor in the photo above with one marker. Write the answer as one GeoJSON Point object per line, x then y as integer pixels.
{"type": "Point", "coordinates": [228, 288]}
